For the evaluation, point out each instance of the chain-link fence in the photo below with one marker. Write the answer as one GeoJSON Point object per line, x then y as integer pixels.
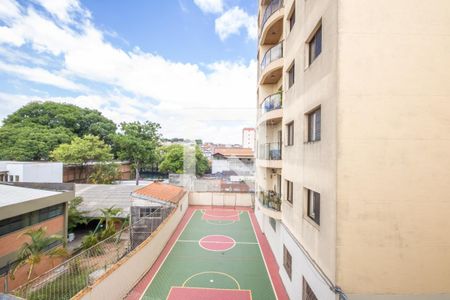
{"type": "Point", "coordinates": [81, 270]}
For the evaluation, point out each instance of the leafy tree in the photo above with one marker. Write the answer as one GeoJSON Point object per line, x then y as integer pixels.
{"type": "Point", "coordinates": [76, 216]}
{"type": "Point", "coordinates": [202, 164]}
{"type": "Point", "coordinates": [31, 253]}
{"type": "Point", "coordinates": [31, 142]}
{"type": "Point", "coordinates": [83, 150]}
{"type": "Point", "coordinates": [80, 121]}
{"type": "Point", "coordinates": [104, 173]}
{"type": "Point", "coordinates": [138, 142]}
{"type": "Point", "coordinates": [177, 158]}
{"type": "Point", "coordinates": [172, 159]}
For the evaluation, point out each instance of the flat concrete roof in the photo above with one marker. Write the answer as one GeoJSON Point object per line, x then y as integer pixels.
{"type": "Point", "coordinates": [98, 196]}
{"type": "Point", "coordinates": [11, 195]}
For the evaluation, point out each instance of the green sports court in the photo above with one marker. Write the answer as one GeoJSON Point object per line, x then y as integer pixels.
{"type": "Point", "coordinates": [215, 253]}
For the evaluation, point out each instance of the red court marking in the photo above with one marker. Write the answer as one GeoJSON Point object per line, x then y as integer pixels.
{"type": "Point", "coordinates": [270, 260]}
{"type": "Point", "coordinates": [183, 293]}
{"type": "Point", "coordinates": [220, 215]}
{"type": "Point", "coordinates": [217, 243]}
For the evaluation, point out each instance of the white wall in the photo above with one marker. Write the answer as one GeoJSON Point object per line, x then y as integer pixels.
{"type": "Point", "coordinates": [34, 171]}
{"type": "Point", "coordinates": [221, 199]}
{"type": "Point", "coordinates": [43, 172]}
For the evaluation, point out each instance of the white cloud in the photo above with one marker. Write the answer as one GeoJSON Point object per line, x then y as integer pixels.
{"type": "Point", "coordinates": [41, 76]}
{"type": "Point", "coordinates": [210, 6]}
{"type": "Point", "coordinates": [186, 100]}
{"type": "Point", "coordinates": [8, 10]}
{"type": "Point", "coordinates": [61, 8]}
{"type": "Point", "coordinates": [233, 20]}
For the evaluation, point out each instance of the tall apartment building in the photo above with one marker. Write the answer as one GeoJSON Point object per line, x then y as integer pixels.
{"type": "Point", "coordinates": [248, 138]}
{"type": "Point", "coordinates": [353, 140]}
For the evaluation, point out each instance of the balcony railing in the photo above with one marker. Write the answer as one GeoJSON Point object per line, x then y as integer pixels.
{"type": "Point", "coordinates": [274, 53]}
{"type": "Point", "coordinates": [270, 151]}
{"type": "Point", "coordinates": [271, 102]}
{"type": "Point", "coordinates": [273, 6]}
{"type": "Point", "coordinates": [270, 199]}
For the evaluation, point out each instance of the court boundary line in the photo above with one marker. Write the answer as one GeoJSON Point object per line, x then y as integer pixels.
{"type": "Point", "coordinates": [219, 224]}
{"type": "Point", "coordinates": [196, 241]}
{"type": "Point", "coordinates": [263, 257]}
{"type": "Point", "coordinates": [215, 242]}
{"type": "Point", "coordinates": [168, 253]}
{"type": "Point", "coordinates": [213, 272]}
{"type": "Point", "coordinates": [205, 288]}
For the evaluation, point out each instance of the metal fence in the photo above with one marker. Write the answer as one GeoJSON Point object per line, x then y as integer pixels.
{"type": "Point", "coordinates": [81, 270]}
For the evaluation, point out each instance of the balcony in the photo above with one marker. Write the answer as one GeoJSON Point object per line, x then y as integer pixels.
{"type": "Point", "coordinates": [271, 67]}
{"type": "Point", "coordinates": [269, 155]}
{"type": "Point", "coordinates": [270, 203]}
{"type": "Point", "coordinates": [272, 23]}
{"type": "Point", "coordinates": [270, 110]}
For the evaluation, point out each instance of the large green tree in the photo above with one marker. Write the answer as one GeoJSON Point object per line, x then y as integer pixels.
{"type": "Point", "coordinates": [83, 150]}
{"type": "Point", "coordinates": [31, 142]}
{"type": "Point", "coordinates": [177, 159]}
{"type": "Point", "coordinates": [36, 129]}
{"type": "Point", "coordinates": [138, 142]}
{"type": "Point", "coordinates": [80, 121]}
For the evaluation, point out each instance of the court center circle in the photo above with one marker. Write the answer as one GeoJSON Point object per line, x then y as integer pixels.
{"type": "Point", "coordinates": [217, 243]}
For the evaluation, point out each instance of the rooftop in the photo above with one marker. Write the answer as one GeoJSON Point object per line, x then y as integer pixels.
{"type": "Point", "coordinates": [97, 196]}
{"type": "Point", "coordinates": [239, 152]}
{"type": "Point", "coordinates": [162, 191]}
{"type": "Point", "coordinates": [14, 195]}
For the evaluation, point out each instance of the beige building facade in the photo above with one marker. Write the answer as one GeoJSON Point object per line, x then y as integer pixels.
{"type": "Point", "coordinates": [353, 144]}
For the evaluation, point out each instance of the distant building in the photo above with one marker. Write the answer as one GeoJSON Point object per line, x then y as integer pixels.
{"type": "Point", "coordinates": [22, 209]}
{"type": "Point", "coordinates": [248, 138]}
{"type": "Point", "coordinates": [33, 171]}
{"type": "Point", "coordinates": [239, 160]}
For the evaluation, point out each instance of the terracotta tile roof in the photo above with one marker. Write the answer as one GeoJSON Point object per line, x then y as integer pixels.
{"type": "Point", "coordinates": [239, 152]}
{"type": "Point", "coordinates": [162, 191]}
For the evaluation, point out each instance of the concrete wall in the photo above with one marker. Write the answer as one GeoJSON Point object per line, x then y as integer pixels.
{"type": "Point", "coordinates": [221, 199]}
{"type": "Point", "coordinates": [51, 172]}
{"type": "Point", "coordinates": [394, 144]}
{"type": "Point", "coordinates": [122, 277]}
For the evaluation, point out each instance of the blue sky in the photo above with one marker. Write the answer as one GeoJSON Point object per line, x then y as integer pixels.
{"type": "Point", "coordinates": [187, 64]}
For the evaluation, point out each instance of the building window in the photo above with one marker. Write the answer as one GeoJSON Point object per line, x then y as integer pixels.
{"type": "Point", "coordinates": [314, 125]}
{"type": "Point", "coordinates": [287, 261]}
{"type": "Point", "coordinates": [17, 178]}
{"type": "Point", "coordinates": [289, 191]}
{"type": "Point", "coordinates": [313, 206]}
{"type": "Point", "coordinates": [11, 178]}
{"type": "Point", "coordinates": [290, 133]}
{"type": "Point", "coordinates": [273, 223]}
{"type": "Point", "coordinates": [291, 75]}
{"type": "Point", "coordinates": [149, 212]}
{"type": "Point", "coordinates": [308, 293]}
{"type": "Point", "coordinates": [14, 224]}
{"type": "Point", "coordinates": [292, 17]}
{"type": "Point", "coordinates": [50, 212]}
{"type": "Point", "coordinates": [315, 45]}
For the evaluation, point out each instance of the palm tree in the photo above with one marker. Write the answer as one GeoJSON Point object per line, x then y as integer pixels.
{"type": "Point", "coordinates": [32, 252]}
{"type": "Point", "coordinates": [109, 218]}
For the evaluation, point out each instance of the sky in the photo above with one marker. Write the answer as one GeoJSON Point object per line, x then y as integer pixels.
{"type": "Point", "coordinates": [186, 64]}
